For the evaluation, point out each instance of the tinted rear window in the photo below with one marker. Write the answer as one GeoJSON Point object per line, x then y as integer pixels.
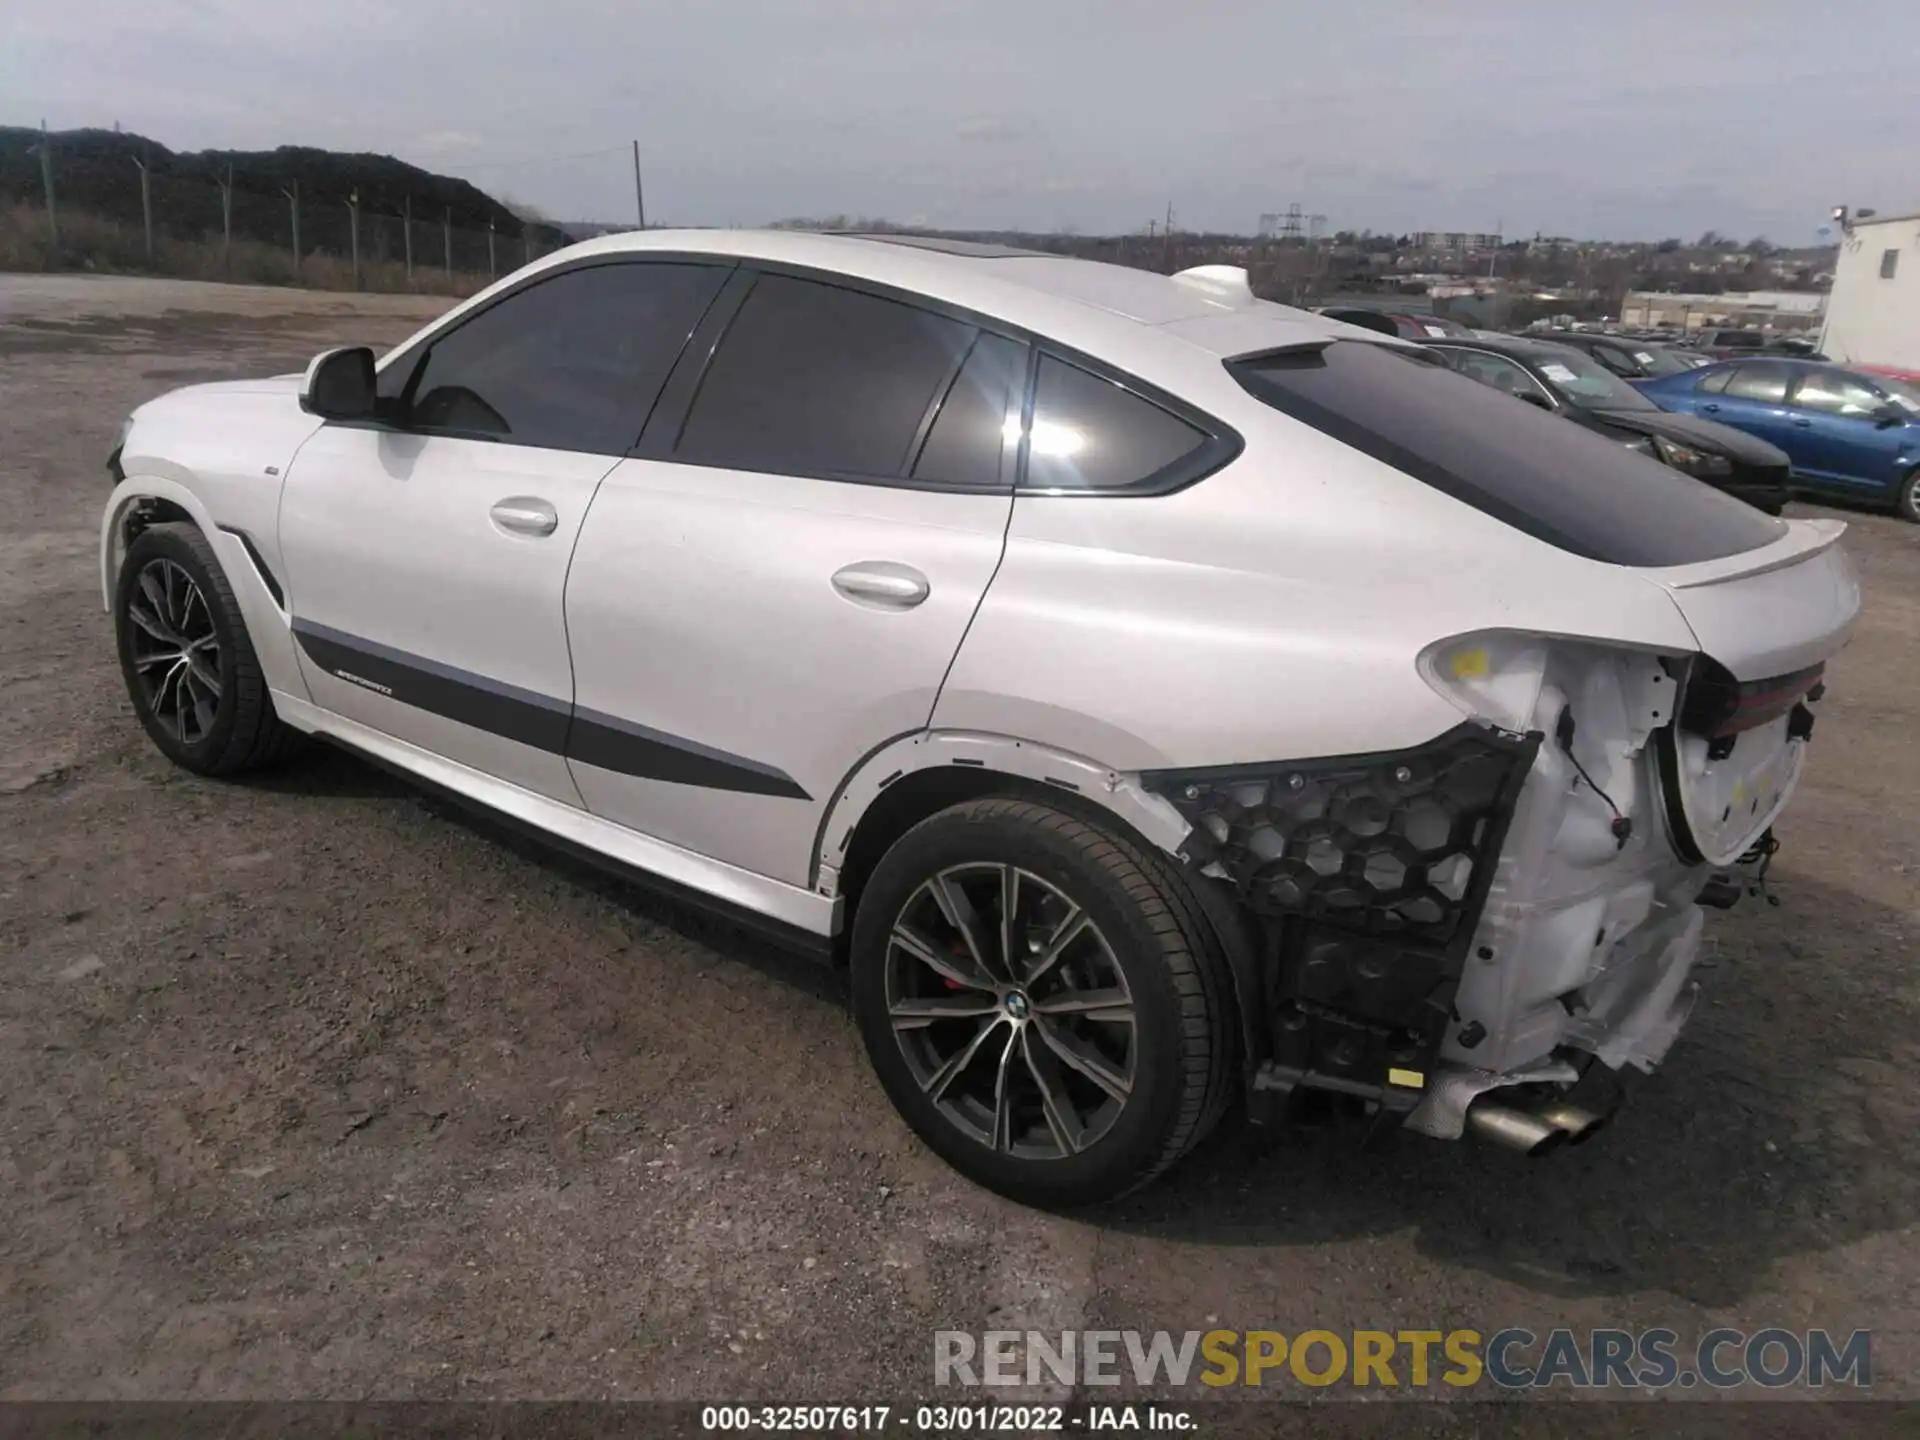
{"type": "Point", "coordinates": [1538, 472]}
{"type": "Point", "coordinates": [1091, 434]}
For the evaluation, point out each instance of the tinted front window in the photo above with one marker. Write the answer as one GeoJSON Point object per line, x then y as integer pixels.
{"type": "Point", "coordinates": [1837, 393]}
{"type": "Point", "coordinates": [1561, 483]}
{"type": "Point", "coordinates": [570, 363]}
{"type": "Point", "coordinates": [816, 380]}
{"type": "Point", "coordinates": [1763, 381]}
{"type": "Point", "coordinates": [1716, 382]}
{"type": "Point", "coordinates": [1090, 434]}
{"type": "Point", "coordinates": [972, 440]}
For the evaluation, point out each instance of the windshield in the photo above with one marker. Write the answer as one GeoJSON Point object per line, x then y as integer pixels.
{"type": "Point", "coordinates": [1589, 384]}
{"type": "Point", "coordinates": [1665, 362]}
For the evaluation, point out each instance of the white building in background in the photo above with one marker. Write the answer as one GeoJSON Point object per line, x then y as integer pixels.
{"type": "Point", "coordinates": [1776, 312]}
{"type": "Point", "coordinates": [1454, 240]}
{"type": "Point", "coordinates": [1873, 316]}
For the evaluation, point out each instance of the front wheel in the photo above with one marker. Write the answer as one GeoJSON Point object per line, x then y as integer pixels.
{"type": "Point", "coordinates": [184, 652]}
{"type": "Point", "coordinates": [1040, 1000]}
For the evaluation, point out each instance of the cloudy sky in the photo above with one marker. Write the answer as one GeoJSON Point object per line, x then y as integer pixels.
{"type": "Point", "coordinates": [1629, 118]}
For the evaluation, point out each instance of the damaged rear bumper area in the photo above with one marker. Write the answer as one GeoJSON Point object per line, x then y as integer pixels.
{"type": "Point", "coordinates": [1363, 878]}
{"type": "Point", "coordinates": [1452, 935]}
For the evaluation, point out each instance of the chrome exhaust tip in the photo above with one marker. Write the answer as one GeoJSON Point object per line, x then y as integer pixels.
{"type": "Point", "coordinates": [1580, 1125]}
{"type": "Point", "coordinates": [1513, 1129]}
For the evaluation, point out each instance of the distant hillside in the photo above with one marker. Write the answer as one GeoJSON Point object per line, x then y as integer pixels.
{"type": "Point", "coordinates": [94, 171]}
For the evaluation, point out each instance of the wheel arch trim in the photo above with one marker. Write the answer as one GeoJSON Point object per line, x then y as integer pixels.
{"type": "Point", "coordinates": [1084, 786]}
{"type": "Point", "coordinates": [1151, 816]}
{"type": "Point", "coordinates": [267, 621]}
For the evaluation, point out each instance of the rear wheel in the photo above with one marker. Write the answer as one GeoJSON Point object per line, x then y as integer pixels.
{"type": "Point", "coordinates": [1040, 1001]}
{"type": "Point", "coordinates": [188, 664]}
{"type": "Point", "coordinates": [1908, 502]}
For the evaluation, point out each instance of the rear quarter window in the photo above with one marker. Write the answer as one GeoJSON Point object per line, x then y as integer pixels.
{"type": "Point", "coordinates": [1540, 473]}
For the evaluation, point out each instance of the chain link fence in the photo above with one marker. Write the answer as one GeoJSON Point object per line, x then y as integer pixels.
{"type": "Point", "coordinates": [214, 229]}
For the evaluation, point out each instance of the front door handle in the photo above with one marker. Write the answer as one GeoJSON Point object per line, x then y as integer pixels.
{"type": "Point", "coordinates": [525, 515]}
{"type": "Point", "coordinates": [882, 584]}
{"type": "Point", "coordinates": [1801, 422]}
{"type": "Point", "coordinates": [1711, 409]}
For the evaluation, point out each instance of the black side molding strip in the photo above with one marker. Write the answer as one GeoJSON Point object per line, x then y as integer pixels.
{"type": "Point", "coordinates": [541, 721]}
{"type": "Point", "coordinates": [619, 745]}
{"type": "Point", "coordinates": [505, 710]}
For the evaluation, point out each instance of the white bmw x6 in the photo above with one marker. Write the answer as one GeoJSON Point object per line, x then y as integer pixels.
{"type": "Point", "coordinates": [1154, 696]}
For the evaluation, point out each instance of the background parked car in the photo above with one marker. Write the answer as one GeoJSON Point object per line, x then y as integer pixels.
{"type": "Point", "coordinates": [1795, 346]}
{"type": "Point", "coordinates": [1629, 358]}
{"type": "Point", "coordinates": [1573, 384]}
{"type": "Point", "coordinates": [1396, 322]}
{"type": "Point", "coordinates": [1847, 432]}
{"type": "Point", "coordinates": [1722, 343]}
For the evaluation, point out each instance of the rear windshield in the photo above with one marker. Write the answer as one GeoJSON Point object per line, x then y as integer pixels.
{"type": "Point", "coordinates": [1538, 472]}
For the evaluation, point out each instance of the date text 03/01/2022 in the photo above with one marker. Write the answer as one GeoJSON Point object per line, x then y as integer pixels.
{"type": "Point", "coordinates": [947, 1419]}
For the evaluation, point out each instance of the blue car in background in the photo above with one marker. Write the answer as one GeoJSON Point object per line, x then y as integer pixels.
{"type": "Point", "coordinates": [1847, 432]}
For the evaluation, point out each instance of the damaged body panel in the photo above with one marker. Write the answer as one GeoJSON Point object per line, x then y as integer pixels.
{"type": "Point", "coordinates": [1367, 873]}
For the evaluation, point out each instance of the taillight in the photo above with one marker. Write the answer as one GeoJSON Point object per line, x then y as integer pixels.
{"type": "Point", "coordinates": [1717, 705]}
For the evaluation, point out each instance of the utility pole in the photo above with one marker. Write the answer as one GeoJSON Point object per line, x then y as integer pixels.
{"type": "Point", "coordinates": [448, 232]}
{"type": "Point", "coordinates": [353, 232]}
{"type": "Point", "coordinates": [226, 221]}
{"type": "Point", "coordinates": [1166, 240]}
{"type": "Point", "coordinates": [1495, 258]}
{"type": "Point", "coordinates": [146, 205]}
{"type": "Point", "coordinates": [491, 269]}
{"type": "Point", "coordinates": [46, 180]}
{"type": "Point", "coordinates": [293, 200]}
{"type": "Point", "coordinates": [639, 195]}
{"type": "Point", "coordinates": [406, 233]}
{"type": "Point", "coordinates": [526, 240]}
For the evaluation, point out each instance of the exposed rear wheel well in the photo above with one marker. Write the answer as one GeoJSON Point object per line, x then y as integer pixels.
{"type": "Point", "coordinates": [914, 797]}
{"type": "Point", "coordinates": [923, 793]}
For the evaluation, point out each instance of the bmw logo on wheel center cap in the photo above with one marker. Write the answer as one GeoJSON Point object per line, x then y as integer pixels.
{"type": "Point", "coordinates": [1017, 1006]}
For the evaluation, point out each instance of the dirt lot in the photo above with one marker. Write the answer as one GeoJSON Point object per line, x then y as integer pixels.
{"type": "Point", "coordinates": [313, 1087]}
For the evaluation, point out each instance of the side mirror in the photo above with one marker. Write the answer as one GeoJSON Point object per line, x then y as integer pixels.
{"type": "Point", "coordinates": [339, 385]}
{"type": "Point", "coordinates": [1888, 416]}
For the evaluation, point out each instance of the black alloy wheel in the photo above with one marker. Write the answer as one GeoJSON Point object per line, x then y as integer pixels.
{"type": "Point", "coordinates": [189, 665]}
{"type": "Point", "coordinates": [174, 651]}
{"type": "Point", "coordinates": [1042, 1000]}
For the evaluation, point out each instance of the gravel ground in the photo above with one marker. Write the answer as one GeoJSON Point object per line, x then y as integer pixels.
{"type": "Point", "coordinates": [311, 1086]}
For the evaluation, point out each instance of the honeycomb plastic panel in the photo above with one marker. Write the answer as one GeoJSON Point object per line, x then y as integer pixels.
{"type": "Point", "coordinates": [1389, 844]}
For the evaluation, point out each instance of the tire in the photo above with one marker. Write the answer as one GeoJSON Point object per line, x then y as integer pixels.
{"type": "Point", "coordinates": [211, 714]}
{"type": "Point", "coordinates": [1129, 1097]}
{"type": "Point", "coordinates": [1908, 503]}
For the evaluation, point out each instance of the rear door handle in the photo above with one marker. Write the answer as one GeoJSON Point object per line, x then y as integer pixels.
{"type": "Point", "coordinates": [1711, 409]}
{"type": "Point", "coordinates": [525, 515]}
{"type": "Point", "coordinates": [1801, 422]}
{"type": "Point", "coordinates": [882, 584]}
